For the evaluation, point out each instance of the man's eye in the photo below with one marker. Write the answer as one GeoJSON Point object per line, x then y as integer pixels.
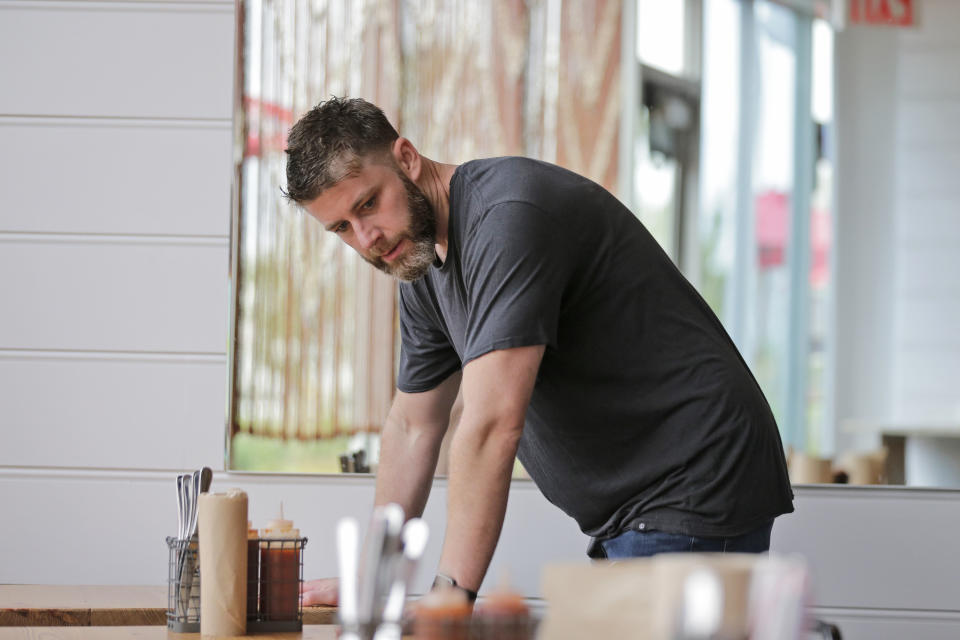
{"type": "Point", "coordinates": [340, 228]}
{"type": "Point", "coordinates": [368, 204]}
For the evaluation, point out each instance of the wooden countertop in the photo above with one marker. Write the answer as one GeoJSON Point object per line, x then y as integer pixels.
{"type": "Point", "coordinates": [100, 606]}
{"type": "Point", "coordinates": [310, 632]}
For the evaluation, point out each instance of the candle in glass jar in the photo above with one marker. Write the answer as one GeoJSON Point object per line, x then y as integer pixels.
{"type": "Point", "coordinates": [503, 615]}
{"type": "Point", "coordinates": [442, 615]}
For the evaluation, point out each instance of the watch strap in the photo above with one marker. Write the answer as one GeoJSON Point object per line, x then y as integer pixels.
{"type": "Point", "coordinates": [443, 581]}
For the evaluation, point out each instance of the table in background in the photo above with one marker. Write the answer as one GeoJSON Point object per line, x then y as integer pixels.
{"type": "Point", "coordinates": [921, 453]}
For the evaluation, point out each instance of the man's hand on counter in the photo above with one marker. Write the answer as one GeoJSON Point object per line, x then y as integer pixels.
{"type": "Point", "coordinates": [323, 591]}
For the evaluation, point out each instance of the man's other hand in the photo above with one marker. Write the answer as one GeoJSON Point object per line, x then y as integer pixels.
{"type": "Point", "coordinates": [323, 591]}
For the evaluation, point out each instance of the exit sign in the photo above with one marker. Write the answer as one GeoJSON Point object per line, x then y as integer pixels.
{"type": "Point", "coordinates": [892, 12]}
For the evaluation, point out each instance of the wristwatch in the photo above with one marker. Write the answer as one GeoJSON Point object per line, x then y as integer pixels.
{"type": "Point", "coordinates": [446, 582]}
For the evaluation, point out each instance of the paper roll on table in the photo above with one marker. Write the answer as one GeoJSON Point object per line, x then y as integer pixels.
{"type": "Point", "coordinates": [223, 563]}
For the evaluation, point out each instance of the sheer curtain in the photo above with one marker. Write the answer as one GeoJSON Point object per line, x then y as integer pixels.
{"type": "Point", "coordinates": [315, 327]}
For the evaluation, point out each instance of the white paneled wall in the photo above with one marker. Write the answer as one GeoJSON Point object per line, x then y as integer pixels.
{"type": "Point", "coordinates": [115, 166]}
{"type": "Point", "coordinates": [865, 74]}
{"type": "Point", "coordinates": [118, 176]}
{"type": "Point", "coordinates": [926, 343]}
{"type": "Point", "coordinates": [898, 222]}
{"type": "Point", "coordinates": [114, 293]}
{"type": "Point", "coordinates": [111, 410]}
{"type": "Point", "coordinates": [117, 59]}
{"type": "Point", "coordinates": [115, 157]}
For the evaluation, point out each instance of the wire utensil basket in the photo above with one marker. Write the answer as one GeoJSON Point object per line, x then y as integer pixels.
{"type": "Point", "coordinates": [274, 577]}
{"type": "Point", "coordinates": [183, 586]}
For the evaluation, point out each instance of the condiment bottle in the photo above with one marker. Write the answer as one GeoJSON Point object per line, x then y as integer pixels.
{"type": "Point", "coordinates": [443, 614]}
{"type": "Point", "coordinates": [279, 570]}
{"type": "Point", "coordinates": [253, 571]}
{"type": "Point", "coordinates": [502, 615]}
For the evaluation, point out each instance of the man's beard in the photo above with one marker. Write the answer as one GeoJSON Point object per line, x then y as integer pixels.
{"type": "Point", "coordinates": [422, 234]}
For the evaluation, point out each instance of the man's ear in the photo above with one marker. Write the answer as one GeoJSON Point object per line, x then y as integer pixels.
{"type": "Point", "coordinates": [407, 158]}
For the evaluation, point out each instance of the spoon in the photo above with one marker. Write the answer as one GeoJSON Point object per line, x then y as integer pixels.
{"type": "Point", "coordinates": [180, 507]}
{"type": "Point", "coordinates": [194, 503]}
{"type": "Point", "coordinates": [206, 477]}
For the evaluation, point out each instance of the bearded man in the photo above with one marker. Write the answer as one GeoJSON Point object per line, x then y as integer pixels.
{"type": "Point", "coordinates": [579, 347]}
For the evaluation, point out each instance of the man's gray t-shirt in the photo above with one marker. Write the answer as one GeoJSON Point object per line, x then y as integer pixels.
{"type": "Point", "coordinates": [643, 410]}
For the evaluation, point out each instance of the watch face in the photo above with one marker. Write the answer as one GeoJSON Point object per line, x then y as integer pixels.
{"type": "Point", "coordinates": [444, 581]}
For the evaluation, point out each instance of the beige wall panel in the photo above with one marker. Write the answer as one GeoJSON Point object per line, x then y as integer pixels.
{"type": "Point", "coordinates": [137, 177]}
{"type": "Point", "coordinates": [114, 412]}
{"type": "Point", "coordinates": [928, 369]}
{"type": "Point", "coordinates": [931, 323]}
{"type": "Point", "coordinates": [935, 23]}
{"type": "Point", "coordinates": [928, 171]}
{"type": "Point", "coordinates": [929, 72]}
{"type": "Point", "coordinates": [124, 59]}
{"type": "Point", "coordinates": [929, 123]}
{"type": "Point", "coordinates": [932, 222]}
{"type": "Point", "coordinates": [114, 295]}
{"type": "Point", "coordinates": [893, 625]}
{"type": "Point", "coordinates": [861, 543]}
{"type": "Point", "coordinates": [928, 272]}
{"type": "Point", "coordinates": [868, 570]}
{"type": "Point", "coordinates": [138, 509]}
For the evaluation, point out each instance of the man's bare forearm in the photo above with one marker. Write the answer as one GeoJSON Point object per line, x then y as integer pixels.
{"type": "Point", "coordinates": [496, 391]}
{"type": "Point", "coordinates": [480, 470]}
{"type": "Point", "coordinates": [408, 457]}
{"type": "Point", "coordinates": [410, 444]}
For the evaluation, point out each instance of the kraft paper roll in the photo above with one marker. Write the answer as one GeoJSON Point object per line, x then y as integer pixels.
{"type": "Point", "coordinates": [222, 524]}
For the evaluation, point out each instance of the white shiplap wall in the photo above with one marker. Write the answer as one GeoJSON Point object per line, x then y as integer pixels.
{"type": "Point", "coordinates": [865, 80]}
{"type": "Point", "coordinates": [926, 340]}
{"type": "Point", "coordinates": [115, 158]}
{"type": "Point", "coordinates": [898, 226]}
{"type": "Point", "coordinates": [114, 220]}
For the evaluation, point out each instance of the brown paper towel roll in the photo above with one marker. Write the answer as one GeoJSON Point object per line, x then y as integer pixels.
{"type": "Point", "coordinates": [222, 525]}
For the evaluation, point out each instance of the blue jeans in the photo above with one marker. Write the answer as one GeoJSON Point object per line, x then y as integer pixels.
{"type": "Point", "coordinates": [640, 544]}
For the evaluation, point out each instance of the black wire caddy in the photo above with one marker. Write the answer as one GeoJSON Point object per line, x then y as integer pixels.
{"type": "Point", "coordinates": [274, 578]}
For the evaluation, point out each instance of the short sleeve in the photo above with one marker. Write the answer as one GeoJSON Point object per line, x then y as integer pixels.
{"type": "Point", "coordinates": [427, 357]}
{"type": "Point", "coordinates": [515, 267]}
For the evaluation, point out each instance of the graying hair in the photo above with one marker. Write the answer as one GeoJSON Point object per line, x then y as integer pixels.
{"type": "Point", "coordinates": [331, 142]}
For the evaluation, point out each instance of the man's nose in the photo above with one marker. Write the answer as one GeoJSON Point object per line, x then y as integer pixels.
{"type": "Point", "coordinates": [367, 234]}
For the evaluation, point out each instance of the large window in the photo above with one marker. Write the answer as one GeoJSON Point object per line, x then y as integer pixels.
{"type": "Point", "coordinates": [665, 150]}
{"type": "Point", "coordinates": [727, 163]}
{"type": "Point", "coordinates": [314, 332]}
{"type": "Point", "coordinates": [764, 223]}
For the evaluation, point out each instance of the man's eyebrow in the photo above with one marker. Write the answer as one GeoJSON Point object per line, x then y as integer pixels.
{"type": "Point", "coordinates": [363, 197]}
{"type": "Point", "coordinates": [356, 203]}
